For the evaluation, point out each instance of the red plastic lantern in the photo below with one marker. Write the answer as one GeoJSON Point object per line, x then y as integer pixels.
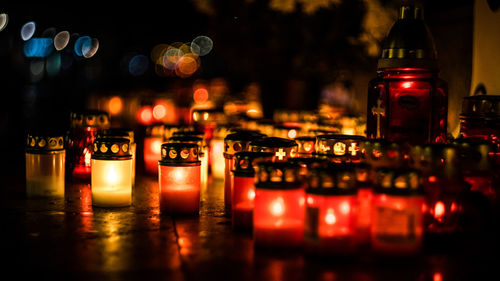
{"type": "Point", "coordinates": [278, 219]}
{"type": "Point", "coordinates": [84, 127]}
{"type": "Point", "coordinates": [339, 148]}
{"type": "Point", "coordinates": [233, 143]}
{"type": "Point", "coordinates": [179, 178]}
{"type": "Point", "coordinates": [243, 194]}
{"type": "Point", "coordinates": [152, 148]}
{"type": "Point", "coordinates": [397, 212]}
{"type": "Point", "coordinates": [331, 211]}
{"type": "Point", "coordinates": [407, 101]}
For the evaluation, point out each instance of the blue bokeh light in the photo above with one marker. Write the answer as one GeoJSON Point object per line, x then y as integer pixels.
{"type": "Point", "coordinates": [28, 30]}
{"type": "Point", "coordinates": [138, 65]}
{"type": "Point", "coordinates": [82, 44]}
{"type": "Point", "coordinates": [38, 47]}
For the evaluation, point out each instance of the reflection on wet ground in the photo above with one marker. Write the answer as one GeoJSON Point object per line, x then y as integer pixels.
{"type": "Point", "coordinates": [69, 239]}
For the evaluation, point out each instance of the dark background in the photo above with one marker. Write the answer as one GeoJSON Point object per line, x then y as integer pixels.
{"type": "Point", "coordinates": [290, 55]}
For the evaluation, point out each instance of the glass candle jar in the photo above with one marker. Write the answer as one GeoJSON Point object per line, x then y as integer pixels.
{"type": "Point", "coordinates": [407, 102]}
{"type": "Point", "coordinates": [45, 161]}
{"type": "Point", "coordinates": [233, 143]}
{"type": "Point", "coordinates": [480, 118]}
{"type": "Point", "coordinates": [202, 152]}
{"type": "Point", "coordinates": [444, 188]}
{"type": "Point", "coordinates": [84, 127]}
{"type": "Point", "coordinates": [397, 214]}
{"type": "Point", "coordinates": [242, 201]}
{"type": "Point", "coordinates": [217, 151]}
{"type": "Point", "coordinates": [111, 180]}
{"type": "Point", "coordinates": [339, 148]}
{"type": "Point", "coordinates": [305, 146]}
{"type": "Point", "coordinates": [152, 148]}
{"type": "Point", "coordinates": [331, 211]}
{"type": "Point", "coordinates": [127, 133]}
{"type": "Point", "coordinates": [279, 210]}
{"type": "Point", "coordinates": [179, 179]}
{"type": "Point", "coordinates": [282, 148]}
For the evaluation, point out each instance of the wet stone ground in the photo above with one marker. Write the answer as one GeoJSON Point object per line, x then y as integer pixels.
{"type": "Point", "coordinates": [68, 239]}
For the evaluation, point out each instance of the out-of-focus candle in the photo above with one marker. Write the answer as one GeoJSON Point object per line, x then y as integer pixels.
{"type": "Point", "coordinates": [265, 126]}
{"type": "Point", "coordinates": [444, 189]}
{"type": "Point", "coordinates": [179, 179]}
{"type": "Point", "coordinates": [331, 211]}
{"type": "Point", "coordinates": [382, 153]}
{"type": "Point", "coordinates": [480, 118]}
{"type": "Point", "coordinates": [170, 129]}
{"type": "Point", "coordinates": [217, 150]}
{"type": "Point", "coordinates": [152, 148]}
{"type": "Point", "coordinates": [282, 148]}
{"type": "Point", "coordinates": [364, 185]}
{"type": "Point", "coordinates": [278, 219]}
{"type": "Point", "coordinates": [84, 127]}
{"type": "Point", "coordinates": [397, 214]}
{"type": "Point", "coordinates": [286, 132]}
{"type": "Point", "coordinates": [243, 187]}
{"type": "Point", "coordinates": [206, 120]}
{"type": "Point", "coordinates": [339, 148]}
{"type": "Point", "coordinates": [45, 157]}
{"type": "Point", "coordinates": [111, 181]}
{"type": "Point", "coordinates": [233, 143]}
{"type": "Point", "coordinates": [305, 146]}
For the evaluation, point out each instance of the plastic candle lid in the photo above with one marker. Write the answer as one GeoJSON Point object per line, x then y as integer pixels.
{"type": "Point", "coordinates": [111, 149]}
{"type": "Point", "coordinates": [305, 144]}
{"type": "Point", "coordinates": [398, 181]}
{"type": "Point", "coordinates": [272, 142]}
{"type": "Point", "coordinates": [245, 162]}
{"type": "Point", "coordinates": [240, 141]}
{"type": "Point", "coordinates": [336, 179]}
{"type": "Point", "coordinates": [89, 118]}
{"type": "Point", "coordinates": [278, 175]}
{"type": "Point", "coordinates": [383, 153]}
{"type": "Point", "coordinates": [481, 106]}
{"type": "Point", "coordinates": [37, 143]}
{"type": "Point", "coordinates": [179, 154]}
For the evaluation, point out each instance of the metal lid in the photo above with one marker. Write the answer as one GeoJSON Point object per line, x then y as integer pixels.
{"type": "Point", "coordinates": [343, 147]}
{"type": "Point", "coordinates": [109, 148]}
{"type": "Point", "coordinates": [481, 106]}
{"type": "Point", "coordinates": [383, 153]}
{"type": "Point", "coordinates": [282, 148]}
{"type": "Point", "coordinates": [338, 179]}
{"type": "Point", "coordinates": [398, 181]}
{"type": "Point", "coordinates": [277, 175]}
{"type": "Point", "coordinates": [240, 141]}
{"type": "Point", "coordinates": [37, 143]}
{"type": "Point", "coordinates": [306, 145]}
{"type": "Point", "coordinates": [245, 162]}
{"type": "Point", "coordinates": [179, 154]}
{"type": "Point", "coordinates": [118, 132]}
{"type": "Point", "coordinates": [409, 43]}
{"type": "Point", "coordinates": [89, 118]}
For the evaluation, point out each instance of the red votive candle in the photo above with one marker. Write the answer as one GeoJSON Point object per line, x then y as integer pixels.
{"type": "Point", "coordinates": [364, 185]}
{"type": "Point", "coordinates": [339, 148]}
{"type": "Point", "coordinates": [279, 206]}
{"type": "Point", "coordinates": [179, 179]}
{"type": "Point", "coordinates": [397, 212]}
{"type": "Point", "coordinates": [233, 143]}
{"type": "Point", "coordinates": [84, 127]}
{"type": "Point", "coordinates": [331, 211]}
{"type": "Point", "coordinates": [152, 148]}
{"type": "Point", "coordinates": [243, 194]}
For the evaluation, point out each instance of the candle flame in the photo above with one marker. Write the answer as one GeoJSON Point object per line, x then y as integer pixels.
{"type": "Point", "coordinates": [277, 207]}
{"type": "Point", "coordinates": [330, 217]}
{"type": "Point", "coordinates": [156, 146]}
{"type": "Point", "coordinates": [178, 175]}
{"type": "Point", "coordinates": [87, 156]}
{"type": "Point", "coordinates": [251, 194]}
{"type": "Point", "coordinates": [112, 175]}
{"type": "Point", "coordinates": [345, 207]}
{"type": "Point", "coordinates": [439, 210]}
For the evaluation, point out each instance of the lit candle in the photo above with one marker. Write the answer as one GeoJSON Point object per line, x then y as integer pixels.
{"type": "Point", "coordinates": [397, 212]}
{"type": "Point", "coordinates": [45, 160]}
{"type": "Point", "coordinates": [339, 148]}
{"type": "Point", "coordinates": [152, 148]}
{"type": "Point", "coordinates": [84, 127]}
{"type": "Point", "coordinates": [278, 219]}
{"type": "Point", "coordinates": [364, 185]}
{"type": "Point", "coordinates": [111, 180]}
{"type": "Point", "coordinates": [305, 146]}
{"type": "Point", "coordinates": [331, 211]}
{"type": "Point", "coordinates": [179, 178]}
{"type": "Point", "coordinates": [282, 148]}
{"type": "Point", "coordinates": [233, 143]}
{"type": "Point", "coordinates": [206, 120]}
{"type": "Point", "coordinates": [217, 150]}
{"type": "Point", "coordinates": [286, 132]}
{"type": "Point", "coordinates": [243, 193]}
{"type": "Point", "coordinates": [170, 129]}
{"type": "Point", "coordinates": [127, 133]}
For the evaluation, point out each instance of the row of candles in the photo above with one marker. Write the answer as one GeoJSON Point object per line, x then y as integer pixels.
{"type": "Point", "coordinates": [329, 192]}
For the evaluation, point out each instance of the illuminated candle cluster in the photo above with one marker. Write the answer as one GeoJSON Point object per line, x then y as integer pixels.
{"type": "Point", "coordinates": [339, 148]}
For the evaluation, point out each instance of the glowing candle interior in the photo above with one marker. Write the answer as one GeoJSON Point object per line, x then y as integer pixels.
{"type": "Point", "coordinates": [217, 157]}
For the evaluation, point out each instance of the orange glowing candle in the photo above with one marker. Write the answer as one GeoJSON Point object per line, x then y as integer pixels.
{"type": "Point", "coordinates": [278, 219]}
{"type": "Point", "coordinates": [339, 148]}
{"type": "Point", "coordinates": [152, 148]}
{"type": "Point", "coordinates": [179, 178]}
